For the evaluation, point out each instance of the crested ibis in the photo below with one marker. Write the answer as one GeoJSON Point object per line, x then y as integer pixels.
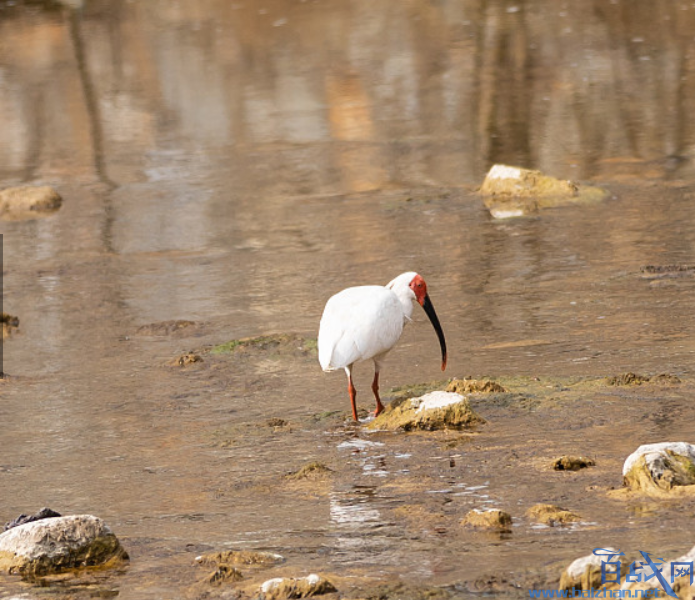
{"type": "Point", "coordinates": [365, 322]}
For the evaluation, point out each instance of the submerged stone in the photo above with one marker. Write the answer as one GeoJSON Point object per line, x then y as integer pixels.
{"type": "Point", "coordinates": [433, 411]}
{"type": "Point", "coordinates": [9, 324]}
{"type": "Point", "coordinates": [661, 469]}
{"type": "Point", "coordinates": [224, 574]}
{"type": "Point", "coordinates": [240, 558]}
{"type": "Point", "coordinates": [474, 386]}
{"type": "Point", "coordinates": [491, 518]}
{"type": "Point", "coordinates": [629, 378]}
{"type": "Point", "coordinates": [572, 463]}
{"type": "Point", "coordinates": [312, 470]}
{"type": "Point", "coordinates": [280, 588]}
{"type": "Point", "coordinates": [185, 359]}
{"type": "Point", "coordinates": [163, 328]}
{"type": "Point", "coordinates": [549, 514]}
{"type": "Point", "coordinates": [514, 192]}
{"type": "Point", "coordinates": [28, 202]}
{"type": "Point", "coordinates": [274, 343]}
{"type": "Point", "coordinates": [56, 544]}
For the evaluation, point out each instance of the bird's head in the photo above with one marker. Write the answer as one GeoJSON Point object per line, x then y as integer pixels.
{"type": "Point", "coordinates": [414, 284]}
{"type": "Point", "coordinates": [419, 288]}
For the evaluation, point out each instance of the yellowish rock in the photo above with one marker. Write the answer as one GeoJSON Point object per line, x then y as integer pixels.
{"type": "Point", "coordinates": [474, 386]}
{"type": "Point", "coordinates": [661, 470]}
{"type": "Point", "coordinates": [28, 202]}
{"type": "Point", "coordinates": [57, 544]}
{"type": "Point", "coordinates": [491, 518]}
{"type": "Point", "coordinates": [585, 573]}
{"type": "Point", "coordinates": [549, 514]}
{"type": "Point", "coordinates": [433, 411]}
{"type": "Point", "coordinates": [572, 463]}
{"type": "Point", "coordinates": [514, 192]}
{"type": "Point", "coordinates": [280, 588]}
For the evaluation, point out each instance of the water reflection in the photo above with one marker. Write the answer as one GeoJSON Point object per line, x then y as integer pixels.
{"type": "Point", "coordinates": [413, 95]}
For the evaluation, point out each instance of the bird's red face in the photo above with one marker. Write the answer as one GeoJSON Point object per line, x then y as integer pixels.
{"type": "Point", "coordinates": [419, 288]}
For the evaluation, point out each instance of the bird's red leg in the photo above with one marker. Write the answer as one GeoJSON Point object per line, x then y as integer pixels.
{"type": "Point", "coordinates": [353, 394]}
{"type": "Point", "coordinates": [375, 389]}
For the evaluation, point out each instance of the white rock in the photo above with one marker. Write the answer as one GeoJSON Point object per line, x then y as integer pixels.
{"type": "Point", "coordinates": [652, 452]}
{"type": "Point", "coordinates": [57, 543]}
{"type": "Point", "coordinates": [504, 172]}
{"type": "Point", "coordinates": [436, 400]}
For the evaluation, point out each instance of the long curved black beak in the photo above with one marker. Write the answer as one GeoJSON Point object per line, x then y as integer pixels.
{"type": "Point", "coordinates": [429, 309]}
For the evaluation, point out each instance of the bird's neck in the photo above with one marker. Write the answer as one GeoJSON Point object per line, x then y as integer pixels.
{"type": "Point", "coordinates": [405, 297]}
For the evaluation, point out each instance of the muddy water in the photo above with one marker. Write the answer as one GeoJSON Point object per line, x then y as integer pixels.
{"type": "Point", "coordinates": [235, 164]}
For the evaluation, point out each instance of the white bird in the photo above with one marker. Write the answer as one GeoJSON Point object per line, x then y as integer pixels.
{"type": "Point", "coordinates": [365, 322]}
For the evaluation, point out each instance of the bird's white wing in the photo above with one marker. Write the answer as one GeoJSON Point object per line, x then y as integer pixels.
{"type": "Point", "coordinates": [358, 324]}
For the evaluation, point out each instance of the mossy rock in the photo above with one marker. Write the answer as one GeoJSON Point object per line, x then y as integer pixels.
{"type": "Point", "coordinates": [433, 411]}
{"type": "Point", "coordinates": [585, 573]}
{"type": "Point", "coordinates": [491, 518]}
{"type": "Point", "coordinates": [661, 469]}
{"type": "Point", "coordinates": [300, 587]}
{"type": "Point", "coordinates": [549, 514]}
{"type": "Point", "coordinates": [277, 343]}
{"type": "Point", "coordinates": [513, 192]}
{"type": "Point", "coordinates": [185, 359]}
{"type": "Point", "coordinates": [238, 558]}
{"type": "Point", "coordinates": [572, 463]}
{"type": "Point", "coordinates": [312, 470]}
{"type": "Point", "coordinates": [629, 378]}
{"type": "Point", "coordinates": [28, 202]}
{"type": "Point", "coordinates": [9, 324]}
{"type": "Point", "coordinates": [475, 386]}
{"type": "Point", "coordinates": [53, 545]}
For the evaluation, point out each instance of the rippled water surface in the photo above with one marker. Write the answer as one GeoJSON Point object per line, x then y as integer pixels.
{"type": "Point", "coordinates": [234, 164]}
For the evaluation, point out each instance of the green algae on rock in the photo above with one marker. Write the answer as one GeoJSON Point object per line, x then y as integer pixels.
{"type": "Point", "coordinates": [549, 514]}
{"type": "Point", "coordinates": [661, 470]}
{"type": "Point", "coordinates": [514, 192]}
{"type": "Point", "coordinates": [279, 342]}
{"type": "Point", "coordinates": [433, 411]}
{"type": "Point", "coordinates": [490, 518]}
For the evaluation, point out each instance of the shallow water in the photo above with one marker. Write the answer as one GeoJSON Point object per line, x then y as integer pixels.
{"type": "Point", "coordinates": [236, 164]}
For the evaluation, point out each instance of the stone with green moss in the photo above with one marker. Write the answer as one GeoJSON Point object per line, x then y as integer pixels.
{"type": "Point", "coordinates": [490, 518]}
{"type": "Point", "coordinates": [475, 386]}
{"type": "Point", "coordinates": [433, 411]}
{"type": "Point", "coordinates": [549, 514]}
{"type": "Point", "coordinates": [58, 544]}
{"type": "Point", "coordinates": [280, 588]}
{"type": "Point", "coordinates": [312, 470]}
{"type": "Point", "coordinates": [280, 343]}
{"type": "Point", "coordinates": [661, 469]}
{"type": "Point", "coordinates": [513, 192]}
